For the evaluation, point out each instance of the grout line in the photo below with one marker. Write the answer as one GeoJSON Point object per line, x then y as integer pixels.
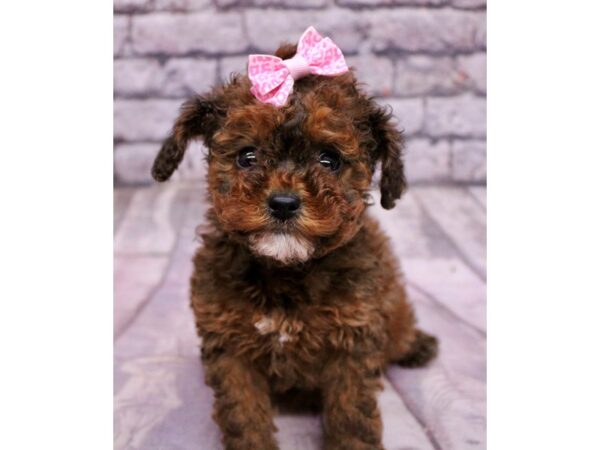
{"type": "Point", "coordinates": [141, 254]}
{"type": "Point", "coordinates": [392, 53]}
{"type": "Point", "coordinates": [451, 240]}
{"type": "Point", "coordinates": [477, 200]}
{"type": "Point", "coordinates": [150, 296]}
{"type": "Point", "coordinates": [117, 225]}
{"type": "Point", "coordinates": [335, 6]}
{"type": "Point", "coordinates": [441, 305]}
{"type": "Point", "coordinates": [426, 430]}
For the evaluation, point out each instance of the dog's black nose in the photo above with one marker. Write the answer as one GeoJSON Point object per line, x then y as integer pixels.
{"type": "Point", "coordinates": [283, 206]}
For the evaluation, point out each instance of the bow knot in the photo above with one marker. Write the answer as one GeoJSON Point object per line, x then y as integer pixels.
{"type": "Point", "coordinates": [273, 78]}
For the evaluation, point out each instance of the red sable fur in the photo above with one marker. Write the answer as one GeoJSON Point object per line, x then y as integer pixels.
{"type": "Point", "coordinates": [320, 332]}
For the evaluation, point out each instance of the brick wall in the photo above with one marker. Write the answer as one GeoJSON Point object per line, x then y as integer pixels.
{"type": "Point", "coordinates": [425, 58]}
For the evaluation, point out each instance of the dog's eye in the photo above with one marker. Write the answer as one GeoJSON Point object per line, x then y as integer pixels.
{"type": "Point", "coordinates": [246, 157]}
{"type": "Point", "coordinates": [330, 159]}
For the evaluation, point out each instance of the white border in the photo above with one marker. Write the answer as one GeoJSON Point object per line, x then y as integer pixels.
{"type": "Point", "coordinates": [56, 238]}
{"type": "Point", "coordinates": [544, 223]}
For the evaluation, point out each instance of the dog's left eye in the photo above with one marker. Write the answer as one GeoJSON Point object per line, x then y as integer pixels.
{"type": "Point", "coordinates": [330, 159]}
{"type": "Point", "coordinates": [246, 157]}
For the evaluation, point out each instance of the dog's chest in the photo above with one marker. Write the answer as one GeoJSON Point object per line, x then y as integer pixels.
{"type": "Point", "coordinates": [281, 332]}
{"type": "Point", "coordinates": [289, 327]}
{"type": "Point", "coordinates": [290, 347]}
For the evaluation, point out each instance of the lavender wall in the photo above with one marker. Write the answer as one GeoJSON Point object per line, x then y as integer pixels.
{"type": "Point", "coordinates": [425, 58]}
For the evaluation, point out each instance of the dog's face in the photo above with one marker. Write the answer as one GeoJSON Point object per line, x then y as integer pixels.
{"type": "Point", "coordinates": [290, 182]}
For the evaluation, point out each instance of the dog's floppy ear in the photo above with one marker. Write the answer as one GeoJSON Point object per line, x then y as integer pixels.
{"type": "Point", "coordinates": [388, 150]}
{"type": "Point", "coordinates": [198, 117]}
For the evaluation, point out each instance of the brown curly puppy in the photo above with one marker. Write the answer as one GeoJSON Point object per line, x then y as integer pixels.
{"type": "Point", "coordinates": [295, 291]}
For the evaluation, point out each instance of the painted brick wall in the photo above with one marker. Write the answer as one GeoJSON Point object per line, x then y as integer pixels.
{"type": "Point", "coordinates": [425, 58]}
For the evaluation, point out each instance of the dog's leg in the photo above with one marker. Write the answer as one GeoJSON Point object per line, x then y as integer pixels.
{"type": "Point", "coordinates": [351, 417]}
{"type": "Point", "coordinates": [407, 345]}
{"type": "Point", "coordinates": [242, 404]}
{"type": "Point", "coordinates": [423, 349]}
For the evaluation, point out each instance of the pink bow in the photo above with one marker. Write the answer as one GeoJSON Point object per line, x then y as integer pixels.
{"type": "Point", "coordinates": [273, 78]}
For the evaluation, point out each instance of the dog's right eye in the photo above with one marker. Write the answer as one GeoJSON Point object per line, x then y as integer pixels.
{"type": "Point", "coordinates": [246, 157]}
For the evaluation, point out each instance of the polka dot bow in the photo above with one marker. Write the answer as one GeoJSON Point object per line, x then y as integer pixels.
{"type": "Point", "coordinates": [273, 78]}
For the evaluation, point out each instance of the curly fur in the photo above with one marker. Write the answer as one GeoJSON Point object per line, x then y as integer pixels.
{"type": "Point", "coordinates": [309, 310]}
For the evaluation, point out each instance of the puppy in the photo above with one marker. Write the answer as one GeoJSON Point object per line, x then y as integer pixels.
{"type": "Point", "coordinates": [295, 291]}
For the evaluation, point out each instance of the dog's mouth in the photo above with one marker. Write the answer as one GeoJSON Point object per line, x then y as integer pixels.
{"type": "Point", "coordinates": [284, 247]}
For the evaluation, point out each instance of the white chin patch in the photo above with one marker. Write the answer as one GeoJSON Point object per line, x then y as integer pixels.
{"type": "Point", "coordinates": [285, 248]}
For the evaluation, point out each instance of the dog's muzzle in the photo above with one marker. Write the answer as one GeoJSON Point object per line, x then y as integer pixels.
{"type": "Point", "coordinates": [283, 206]}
